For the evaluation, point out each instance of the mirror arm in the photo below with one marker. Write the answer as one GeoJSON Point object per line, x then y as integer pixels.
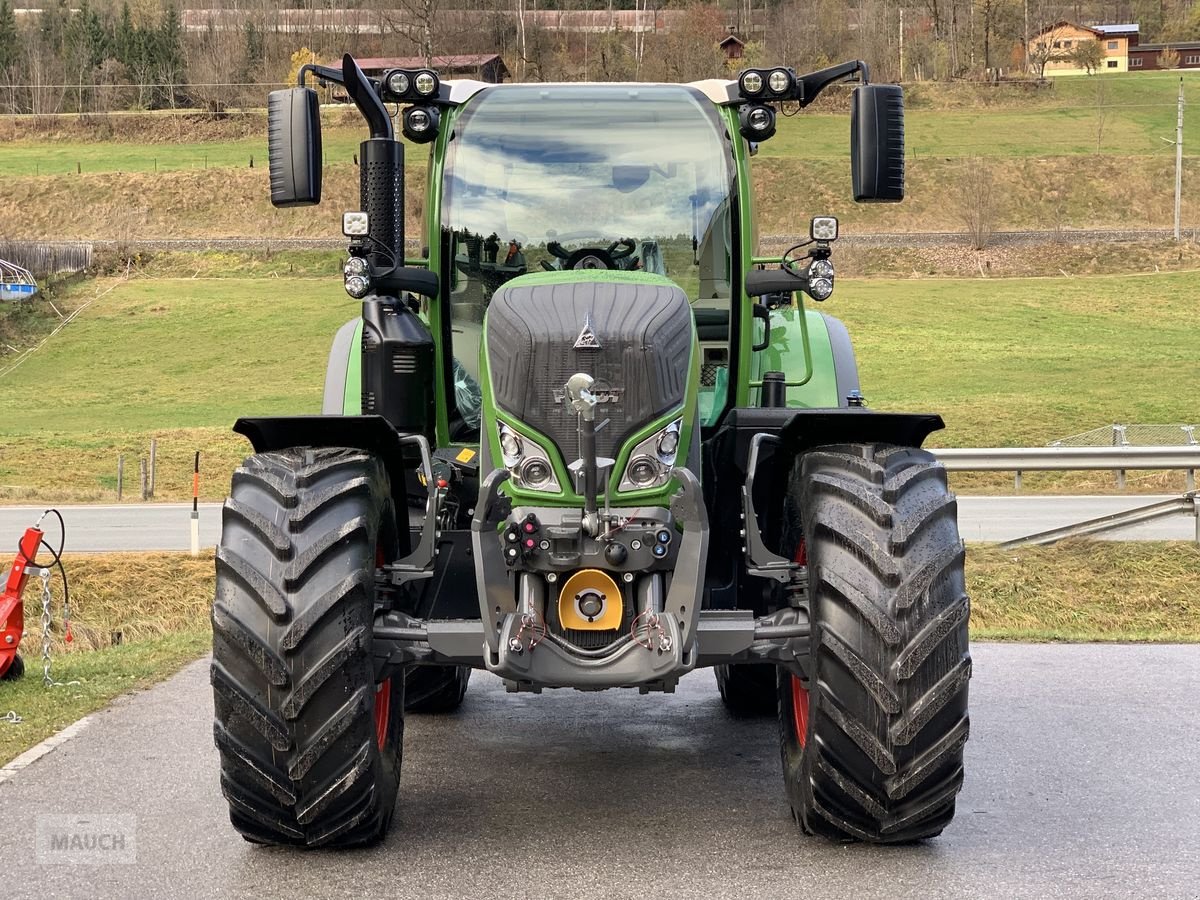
{"type": "Point", "coordinates": [362, 91]}
{"type": "Point", "coordinates": [813, 83]}
{"type": "Point", "coordinates": [322, 73]}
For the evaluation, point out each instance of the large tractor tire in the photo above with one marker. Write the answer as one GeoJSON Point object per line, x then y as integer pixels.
{"type": "Point", "coordinates": [310, 745]}
{"type": "Point", "coordinates": [748, 689]}
{"type": "Point", "coordinates": [435, 689]}
{"type": "Point", "coordinates": [872, 742]}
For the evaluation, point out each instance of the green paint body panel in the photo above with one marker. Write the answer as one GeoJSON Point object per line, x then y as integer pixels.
{"type": "Point", "coordinates": [352, 402]}
{"type": "Point", "coordinates": [791, 345]}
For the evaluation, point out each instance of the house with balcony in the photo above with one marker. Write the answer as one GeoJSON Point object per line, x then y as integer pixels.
{"type": "Point", "coordinates": [1062, 40]}
{"type": "Point", "coordinates": [1122, 50]}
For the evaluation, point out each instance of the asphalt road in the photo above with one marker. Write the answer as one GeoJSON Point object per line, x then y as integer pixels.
{"type": "Point", "coordinates": [167, 526]}
{"type": "Point", "coordinates": [1081, 782]}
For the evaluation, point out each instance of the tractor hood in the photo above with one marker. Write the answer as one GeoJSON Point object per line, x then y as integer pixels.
{"type": "Point", "coordinates": [633, 333]}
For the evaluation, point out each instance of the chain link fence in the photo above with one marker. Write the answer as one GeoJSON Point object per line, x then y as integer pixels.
{"type": "Point", "coordinates": [1118, 435]}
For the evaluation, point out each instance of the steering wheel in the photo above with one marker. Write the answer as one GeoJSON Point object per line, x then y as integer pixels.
{"type": "Point", "coordinates": [628, 245]}
{"type": "Point", "coordinates": [593, 257]}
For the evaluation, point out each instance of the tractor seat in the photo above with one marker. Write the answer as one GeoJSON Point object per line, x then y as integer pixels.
{"type": "Point", "coordinates": [711, 324]}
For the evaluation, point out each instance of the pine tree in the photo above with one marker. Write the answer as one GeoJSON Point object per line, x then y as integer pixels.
{"type": "Point", "coordinates": [170, 40]}
{"type": "Point", "coordinates": [98, 41]}
{"type": "Point", "coordinates": [253, 50]}
{"type": "Point", "coordinates": [10, 39]}
{"type": "Point", "coordinates": [169, 62]}
{"type": "Point", "coordinates": [125, 40]}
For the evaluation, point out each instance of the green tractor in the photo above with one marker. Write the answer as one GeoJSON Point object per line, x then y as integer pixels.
{"type": "Point", "coordinates": [586, 438]}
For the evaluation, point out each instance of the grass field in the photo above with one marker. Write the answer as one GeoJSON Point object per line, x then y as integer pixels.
{"type": "Point", "coordinates": [157, 603]}
{"type": "Point", "coordinates": [160, 604]}
{"type": "Point", "coordinates": [1015, 362]}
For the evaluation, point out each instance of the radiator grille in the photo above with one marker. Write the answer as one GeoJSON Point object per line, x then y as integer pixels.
{"type": "Point", "coordinates": [644, 329]}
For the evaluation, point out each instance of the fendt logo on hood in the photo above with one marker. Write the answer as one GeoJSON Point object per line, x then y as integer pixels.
{"type": "Point", "coordinates": [587, 339]}
{"type": "Point", "coordinates": [601, 389]}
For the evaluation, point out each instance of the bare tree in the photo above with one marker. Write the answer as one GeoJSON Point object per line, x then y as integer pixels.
{"type": "Point", "coordinates": [413, 19]}
{"type": "Point", "coordinates": [211, 60]}
{"type": "Point", "coordinates": [44, 75]}
{"type": "Point", "coordinates": [524, 55]}
{"type": "Point", "coordinates": [1047, 48]}
{"type": "Point", "coordinates": [689, 51]}
{"type": "Point", "coordinates": [1102, 109]}
{"type": "Point", "coordinates": [975, 201]}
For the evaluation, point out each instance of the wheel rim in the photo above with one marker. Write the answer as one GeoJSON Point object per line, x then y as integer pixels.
{"type": "Point", "coordinates": [383, 706]}
{"type": "Point", "coordinates": [383, 693]}
{"type": "Point", "coordinates": [799, 691]}
{"type": "Point", "coordinates": [800, 710]}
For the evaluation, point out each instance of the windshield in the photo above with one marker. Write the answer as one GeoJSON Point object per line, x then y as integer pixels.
{"type": "Point", "coordinates": [550, 177]}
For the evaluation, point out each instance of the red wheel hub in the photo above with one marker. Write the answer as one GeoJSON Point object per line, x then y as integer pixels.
{"type": "Point", "coordinates": [383, 708]}
{"type": "Point", "coordinates": [799, 691]}
{"type": "Point", "coordinates": [383, 693]}
{"type": "Point", "coordinates": [800, 710]}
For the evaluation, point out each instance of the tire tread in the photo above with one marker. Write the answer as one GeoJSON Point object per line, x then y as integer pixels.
{"type": "Point", "coordinates": [890, 662]}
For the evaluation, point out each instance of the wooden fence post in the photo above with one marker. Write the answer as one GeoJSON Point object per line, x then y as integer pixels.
{"type": "Point", "coordinates": [153, 463]}
{"type": "Point", "coordinates": [120, 473]}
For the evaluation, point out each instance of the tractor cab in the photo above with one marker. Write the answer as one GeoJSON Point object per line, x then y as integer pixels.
{"type": "Point", "coordinates": [536, 179]}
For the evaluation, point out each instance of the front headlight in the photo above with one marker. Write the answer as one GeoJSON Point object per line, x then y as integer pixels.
{"type": "Point", "coordinates": [652, 460]}
{"type": "Point", "coordinates": [527, 461]}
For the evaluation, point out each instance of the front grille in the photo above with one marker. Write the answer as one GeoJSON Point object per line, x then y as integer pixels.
{"type": "Point", "coordinates": [585, 640]}
{"type": "Point", "coordinates": [645, 334]}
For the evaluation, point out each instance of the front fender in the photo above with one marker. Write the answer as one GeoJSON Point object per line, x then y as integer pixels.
{"type": "Point", "coordinates": [400, 453]}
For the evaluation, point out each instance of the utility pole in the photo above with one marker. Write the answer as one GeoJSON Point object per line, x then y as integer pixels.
{"type": "Point", "coordinates": [1026, 8]}
{"type": "Point", "coordinates": [901, 45]}
{"type": "Point", "coordinates": [1179, 158]}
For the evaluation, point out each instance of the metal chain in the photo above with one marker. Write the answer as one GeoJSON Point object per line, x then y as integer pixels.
{"type": "Point", "coordinates": [46, 679]}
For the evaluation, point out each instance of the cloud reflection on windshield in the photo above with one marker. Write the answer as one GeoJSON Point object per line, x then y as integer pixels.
{"type": "Point", "coordinates": [535, 164]}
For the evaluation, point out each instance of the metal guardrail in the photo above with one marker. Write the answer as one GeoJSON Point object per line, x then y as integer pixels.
{"type": "Point", "coordinates": [1047, 459]}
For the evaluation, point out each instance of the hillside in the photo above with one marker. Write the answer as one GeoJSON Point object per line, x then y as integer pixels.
{"type": "Point", "coordinates": [180, 358]}
{"type": "Point", "coordinates": [1082, 152]}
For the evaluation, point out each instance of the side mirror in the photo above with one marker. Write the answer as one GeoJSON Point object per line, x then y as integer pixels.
{"type": "Point", "coordinates": [877, 143]}
{"type": "Point", "coordinates": [294, 147]}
